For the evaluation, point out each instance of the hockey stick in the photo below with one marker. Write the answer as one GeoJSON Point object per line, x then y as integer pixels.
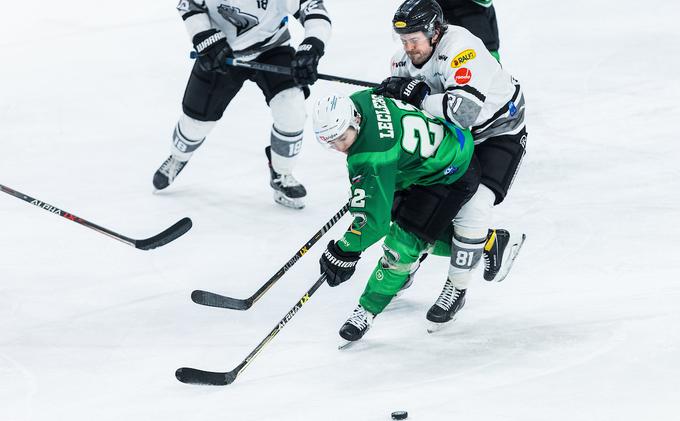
{"type": "Point", "coordinates": [284, 70]}
{"type": "Point", "coordinates": [211, 299]}
{"type": "Point", "coordinates": [161, 239]}
{"type": "Point", "coordinates": [216, 378]}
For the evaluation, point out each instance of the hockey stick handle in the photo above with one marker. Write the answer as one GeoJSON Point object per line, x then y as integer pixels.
{"type": "Point", "coordinates": [196, 376]}
{"type": "Point", "coordinates": [303, 250]}
{"type": "Point", "coordinates": [158, 240]}
{"type": "Point", "coordinates": [285, 70]}
{"type": "Point", "coordinates": [71, 217]}
{"type": "Point", "coordinates": [283, 322]}
{"type": "Point", "coordinates": [211, 299]}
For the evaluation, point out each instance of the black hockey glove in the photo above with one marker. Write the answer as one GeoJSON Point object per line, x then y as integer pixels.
{"type": "Point", "coordinates": [306, 60]}
{"type": "Point", "coordinates": [213, 50]}
{"type": "Point", "coordinates": [406, 89]}
{"type": "Point", "coordinates": [338, 265]}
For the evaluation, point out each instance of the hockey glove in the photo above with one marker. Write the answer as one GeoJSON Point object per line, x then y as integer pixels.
{"type": "Point", "coordinates": [406, 89]}
{"type": "Point", "coordinates": [338, 265]}
{"type": "Point", "coordinates": [306, 60]}
{"type": "Point", "coordinates": [213, 50]}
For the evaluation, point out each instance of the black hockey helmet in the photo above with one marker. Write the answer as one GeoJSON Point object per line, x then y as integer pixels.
{"type": "Point", "coordinates": [418, 15]}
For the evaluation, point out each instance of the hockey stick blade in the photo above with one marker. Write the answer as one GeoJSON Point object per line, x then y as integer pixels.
{"type": "Point", "coordinates": [177, 230]}
{"type": "Point", "coordinates": [211, 299]}
{"type": "Point", "coordinates": [217, 378]}
{"type": "Point", "coordinates": [158, 240]}
{"type": "Point", "coordinates": [194, 376]}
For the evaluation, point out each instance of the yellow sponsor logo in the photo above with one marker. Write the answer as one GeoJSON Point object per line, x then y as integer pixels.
{"type": "Point", "coordinates": [463, 58]}
{"type": "Point", "coordinates": [400, 24]}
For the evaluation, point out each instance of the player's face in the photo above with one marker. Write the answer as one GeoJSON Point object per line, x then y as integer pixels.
{"type": "Point", "coordinates": [344, 142]}
{"type": "Point", "coordinates": [417, 47]}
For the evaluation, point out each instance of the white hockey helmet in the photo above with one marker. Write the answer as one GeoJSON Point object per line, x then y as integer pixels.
{"type": "Point", "coordinates": [332, 116]}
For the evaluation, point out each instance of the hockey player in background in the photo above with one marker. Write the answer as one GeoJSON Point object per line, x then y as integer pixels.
{"type": "Point", "coordinates": [249, 30]}
{"type": "Point", "coordinates": [447, 71]}
{"type": "Point", "coordinates": [478, 17]}
{"type": "Point", "coordinates": [392, 146]}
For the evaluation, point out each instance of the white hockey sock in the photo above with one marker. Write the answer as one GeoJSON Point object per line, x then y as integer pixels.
{"type": "Point", "coordinates": [189, 134]}
{"type": "Point", "coordinates": [285, 150]}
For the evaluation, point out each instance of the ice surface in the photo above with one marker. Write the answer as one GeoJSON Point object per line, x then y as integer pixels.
{"type": "Point", "coordinates": [586, 326]}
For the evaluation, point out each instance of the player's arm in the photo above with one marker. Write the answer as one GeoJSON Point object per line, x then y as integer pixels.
{"type": "Point", "coordinates": [313, 15]}
{"type": "Point", "coordinates": [371, 205]}
{"type": "Point", "coordinates": [194, 13]}
{"type": "Point", "coordinates": [210, 43]}
{"type": "Point", "coordinates": [466, 85]}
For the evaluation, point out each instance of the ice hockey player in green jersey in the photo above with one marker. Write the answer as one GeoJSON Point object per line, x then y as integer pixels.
{"type": "Point", "coordinates": [393, 147]}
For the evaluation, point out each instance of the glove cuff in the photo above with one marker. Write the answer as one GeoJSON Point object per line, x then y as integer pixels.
{"type": "Point", "coordinates": [312, 44]}
{"type": "Point", "coordinates": [206, 39]}
{"type": "Point", "coordinates": [337, 251]}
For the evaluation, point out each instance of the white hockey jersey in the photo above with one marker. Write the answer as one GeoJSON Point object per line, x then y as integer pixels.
{"type": "Point", "coordinates": [254, 26]}
{"type": "Point", "coordinates": [468, 86]}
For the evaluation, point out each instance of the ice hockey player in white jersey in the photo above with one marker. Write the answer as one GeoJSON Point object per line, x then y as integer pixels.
{"type": "Point", "coordinates": [249, 30]}
{"type": "Point", "coordinates": [448, 72]}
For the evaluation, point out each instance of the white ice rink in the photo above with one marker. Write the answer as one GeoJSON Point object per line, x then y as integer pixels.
{"type": "Point", "coordinates": [586, 326]}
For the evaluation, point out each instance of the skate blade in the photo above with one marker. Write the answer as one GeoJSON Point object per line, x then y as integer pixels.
{"type": "Point", "coordinates": [346, 344]}
{"type": "Point", "coordinates": [514, 251]}
{"type": "Point", "coordinates": [438, 327]}
{"type": "Point", "coordinates": [283, 200]}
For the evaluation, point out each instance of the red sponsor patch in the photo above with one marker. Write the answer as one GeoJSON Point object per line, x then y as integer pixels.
{"type": "Point", "coordinates": [463, 76]}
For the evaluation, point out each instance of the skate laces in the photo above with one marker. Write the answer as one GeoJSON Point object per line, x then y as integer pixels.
{"type": "Point", "coordinates": [448, 296]}
{"type": "Point", "coordinates": [360, 318]}
{"type": "Point", "coordinates": [487, 260]}
{"type": "Point", "coordinates": [171, 167]}
{"type": "Point", "coordinates": [287, 180]}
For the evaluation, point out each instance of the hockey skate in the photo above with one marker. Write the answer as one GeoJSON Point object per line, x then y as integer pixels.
{"type": "Point", "coordinates": [356, 326]}
{"type": "Point", "coordinates": [500, 251]}
{"type": "Point", "coordinates": [167, 173]}
{"type": "Point", "coordinates": [287, 190]}
{"type": "Point", "coordinates": [450, 302]}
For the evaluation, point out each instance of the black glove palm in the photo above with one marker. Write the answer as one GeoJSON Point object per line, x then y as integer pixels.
{"type": "Point", "coordinates": [306, 60]}
{"type": "Point", "coordinates": [406, 89]}
{"type": "Point", "coordinates": [338, 265]}
{"type": "Point", "coordinates": [213, 50]}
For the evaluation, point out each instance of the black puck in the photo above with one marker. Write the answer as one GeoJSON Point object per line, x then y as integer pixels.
{"type": "Point", "coordinates": [399, 415]}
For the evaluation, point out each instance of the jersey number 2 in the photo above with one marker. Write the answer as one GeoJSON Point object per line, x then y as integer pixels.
{"type": "Point", "coordinates": [359, 199]}
{"type": "Point", "coordinates": [419, 132]}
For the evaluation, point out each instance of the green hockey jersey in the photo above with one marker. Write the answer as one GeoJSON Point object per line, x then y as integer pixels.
{"type": "Point", "coordinates": [398, 146]}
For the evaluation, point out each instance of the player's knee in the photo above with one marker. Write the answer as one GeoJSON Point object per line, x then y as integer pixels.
{"type": "Point", "coordinates": [288, 110]}
{"type": "Point", "coordinates": [189, 135]}
{"type": "Point", "coordinates": [474, 218]}
{"type": "Point", "coordinates": [398, 262]}
{"type": "Point", "coordinates": [194, 129]}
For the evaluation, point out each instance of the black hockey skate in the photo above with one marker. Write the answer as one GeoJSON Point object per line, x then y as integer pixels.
{"type": "Point", "coordinates": [287, 190]}
{"type": "Point", "coordinates": [450, 302]}
{"type": "Point", "coordinates": [356, 326]}
{"type": "Point", "coordinates": [500, 251]}
{"type": "Point", "coordinates": [167, 173]}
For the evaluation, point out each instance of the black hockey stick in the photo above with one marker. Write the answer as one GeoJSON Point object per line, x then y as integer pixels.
{"type": "Point", "coordinates": [175, 231]}
{"type": "Point", "coordinates": [216, 378]}
{"type": "Point", "coordinates": [272, 68]}
{"type": "Point", "coordinates": [211, 299]}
